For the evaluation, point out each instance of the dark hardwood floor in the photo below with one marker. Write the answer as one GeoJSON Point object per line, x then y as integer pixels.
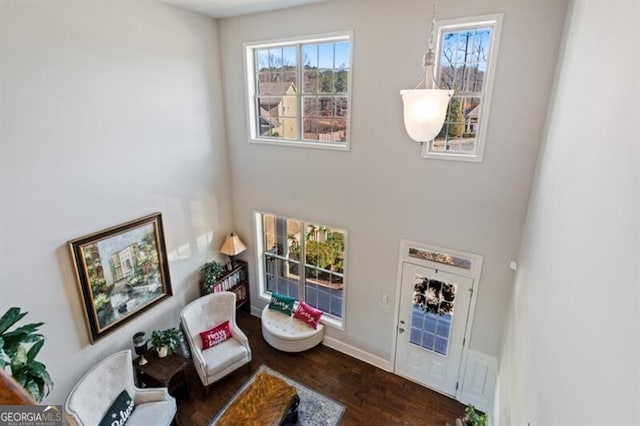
{"type": "Point", "coordinates": [372, 396]}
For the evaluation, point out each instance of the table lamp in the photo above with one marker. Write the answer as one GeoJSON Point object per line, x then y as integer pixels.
{"type": "Point", "coordinates": [140, 346]}
{"type": "Point", "coordinates": [232, 247]}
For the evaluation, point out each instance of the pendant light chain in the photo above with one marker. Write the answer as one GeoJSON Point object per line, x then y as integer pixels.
{"type": "Point", "coordinates": [428, 60]}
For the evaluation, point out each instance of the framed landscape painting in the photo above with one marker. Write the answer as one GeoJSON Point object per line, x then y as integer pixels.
{"type": "Point", "coordinates": [122, 271]}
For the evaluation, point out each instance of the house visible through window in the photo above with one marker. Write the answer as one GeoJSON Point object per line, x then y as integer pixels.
{"type": "Point", "coordinates": [466, 56]}
{"type": "Point", "coordinates": [299, 91]}
{"type": "Point", "coordinates": [302, 260]}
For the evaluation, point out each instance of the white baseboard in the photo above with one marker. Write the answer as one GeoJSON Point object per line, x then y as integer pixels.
{"type": "Point", "coordinates": [356, 353]}
{"type": "Point", "coordinates": [256, 312]}
{"type": "Point", "coordinates": [340, 346]}
{"type": "Point", "coordinates": [479, 382]}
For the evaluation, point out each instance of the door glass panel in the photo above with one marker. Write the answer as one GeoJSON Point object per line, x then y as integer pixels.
{"type": "Point", "coordinates": [432, 314]}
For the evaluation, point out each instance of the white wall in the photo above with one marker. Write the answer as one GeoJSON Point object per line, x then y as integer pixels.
{"type": "Point", "coordinates": [382, 191]}
{"type": "Point", "coordinates": [110, 110]}
{"type": "Point", "coordinates": [571, 352]}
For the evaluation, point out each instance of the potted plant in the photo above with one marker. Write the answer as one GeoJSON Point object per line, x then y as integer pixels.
{"type": "Point", "coordinates": [166, 341]}
{"type": "Point", "coordinates": [473, 418]}
{"type": "Point", "coordinates": [210, 273]}
{"type": "Point", "coordinates": [29, 373]}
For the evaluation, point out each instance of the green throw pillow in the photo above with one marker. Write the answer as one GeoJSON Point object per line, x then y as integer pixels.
{"type": "Point", "coordinates": [282, 303]}
{"type": "Point", "coordinates": [119, 412]}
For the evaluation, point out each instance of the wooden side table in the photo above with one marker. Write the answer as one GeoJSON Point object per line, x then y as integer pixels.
{"type": "Point", "coordinates": [164, 372]}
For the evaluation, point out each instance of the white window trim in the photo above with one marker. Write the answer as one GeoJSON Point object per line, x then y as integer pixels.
{"type": "Point", "coordinates": [495, 22]}
{"type": "Point", "coordinates": [250, 88]}
{"type": "Point", "coordinates": [265, 295]}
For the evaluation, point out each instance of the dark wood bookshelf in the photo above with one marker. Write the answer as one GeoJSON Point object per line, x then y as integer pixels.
{"type": "Point", "coordinates": [235, 280]}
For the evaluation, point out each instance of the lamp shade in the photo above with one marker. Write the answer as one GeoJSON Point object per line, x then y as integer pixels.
{"type": "Point", "coordinates": [232, 245]}
{"type": "Point", "coordinates": [424, 112]}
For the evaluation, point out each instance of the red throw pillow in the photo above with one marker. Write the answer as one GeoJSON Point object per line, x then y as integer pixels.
{"type": "Point", "coordinates": [307, 314]}
{"type": "Point", "coordinates": [215, 335]}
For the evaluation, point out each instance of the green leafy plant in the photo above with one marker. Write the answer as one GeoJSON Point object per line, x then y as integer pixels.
{"type": "Point", "coordinates": [29, 373]}
{"type": "Point", "coordinates": [474, 418]}
{"type": "Point", "coordinates": [210, 273]}
{"type": "Point", "coordinates": [169, 338]}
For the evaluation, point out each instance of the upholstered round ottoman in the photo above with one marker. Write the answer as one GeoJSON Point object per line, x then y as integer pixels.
{"type": "Point", "coordinates": [288, 334]}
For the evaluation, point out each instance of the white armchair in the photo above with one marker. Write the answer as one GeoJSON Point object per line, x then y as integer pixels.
{"type": "Point", "coordinates": [98, 388]}
{"type": "Point", "coordinates": [204, 313]}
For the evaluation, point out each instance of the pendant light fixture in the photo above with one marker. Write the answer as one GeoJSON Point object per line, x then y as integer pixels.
{"type": "Point", "coordinates": [425, 109]}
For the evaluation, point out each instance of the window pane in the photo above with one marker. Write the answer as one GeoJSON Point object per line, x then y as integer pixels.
{"type": "Point", "coordinates": [311, 274]}
{"type": "Point", "coordinates": [336, 303]}
{"type": "Point", "coordinates": [325, 82]}
{"type": "Point", "coordinates": [289, 58]}
{"type": "Point", "coordinates": [268, 228]}
{"type": "Point", "coordinates": [325, 255]}
{"type": "Point", "coordinates": [324, 299]}
{"type": "Point", "coordinates": [272, 86]}
{"type": "Point", "coordinates": [341, 81]}
{"type": "Point", "coordinates": [341, 106]}
{"type": "Point", "coordinates": [262, 59]}
{"type": "Point", "coordinates": [310, 82]}
{"type": "Point", "coordinates": [340, 129]}
{"type": "Point", "coordinates": [311, 294]}
{"type": "Point", "coordinates": [264, 126]}
{"type": "Point", "coordinates": [268, 104]}
{"type": "Point", "coordinates": [263, 77]}
{"type": "Point", "coordinates": [310, 56]}
{"type": "Point", "coordinates": [275, 58]}
{"type": "Point", "coordinates": [342, 55]}
{"type": "Point", "coordinates": [289, 81]}
{"type": "Point", "coordinates": [326, 106]}
{"type": "Point", "coordinates": [310, 129]}
{"type": "Point", "coordinates": [482, 45]}
{"type": "Point", "coordinates": [325, 55]}
{"type": "Point", "coordinates": [294, 270]}
{"type": "Point", "coordinates": [311, 107]}
{"type": "Point", "coordinates": [444, 258]}
{"type": "Point", "coordinates": [281, 268]}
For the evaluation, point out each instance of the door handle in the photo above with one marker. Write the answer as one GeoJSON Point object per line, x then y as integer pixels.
{"type": "Point", "coordinates": [401, 330]}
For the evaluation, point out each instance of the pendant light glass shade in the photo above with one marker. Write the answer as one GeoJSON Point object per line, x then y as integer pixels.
{"type": "Point", "coordinates": [424, 112]}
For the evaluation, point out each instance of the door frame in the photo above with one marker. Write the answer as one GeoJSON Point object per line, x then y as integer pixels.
{"type": "Point", "coordinates": [473, 273]}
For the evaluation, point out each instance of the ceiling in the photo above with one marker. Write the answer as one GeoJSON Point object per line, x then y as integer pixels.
{"type": "Point", "coordinates": [229, 8]}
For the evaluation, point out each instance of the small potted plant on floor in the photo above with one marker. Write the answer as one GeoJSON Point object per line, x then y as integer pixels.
{"type": "Point", "coordinates": [166, 341]}
{"type": "Point", "coordinates": [473, 418]}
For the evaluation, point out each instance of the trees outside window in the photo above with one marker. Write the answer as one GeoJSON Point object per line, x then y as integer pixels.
{"type": "Point", "coordinates": [299, 91]}
{"type": "Point", "coordinates": [466, 55]}
{"type": "Point", "coordinates": [289, 247]}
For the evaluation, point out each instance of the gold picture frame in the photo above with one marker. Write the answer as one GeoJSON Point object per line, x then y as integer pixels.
{"type": "Point", "coordinates": [121, 271]}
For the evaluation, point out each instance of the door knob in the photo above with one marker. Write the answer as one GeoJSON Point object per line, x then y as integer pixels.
{"type": "Point", "coordinates": [401, 330]}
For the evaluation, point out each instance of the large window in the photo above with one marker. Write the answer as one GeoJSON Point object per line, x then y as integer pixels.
{"type": "Point", "coordinates": [299, 91]}
{"type": "Point", "coordinates": [303, 260]}
{"type": "Point", "coordinates": [466, 56]}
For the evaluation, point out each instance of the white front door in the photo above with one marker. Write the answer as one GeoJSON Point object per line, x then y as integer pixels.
{"type": "Point", "coordinates": [434, 307]}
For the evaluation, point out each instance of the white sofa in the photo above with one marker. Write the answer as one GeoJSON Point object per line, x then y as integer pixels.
{"type": "Point", "coordinates": [95, 392]}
